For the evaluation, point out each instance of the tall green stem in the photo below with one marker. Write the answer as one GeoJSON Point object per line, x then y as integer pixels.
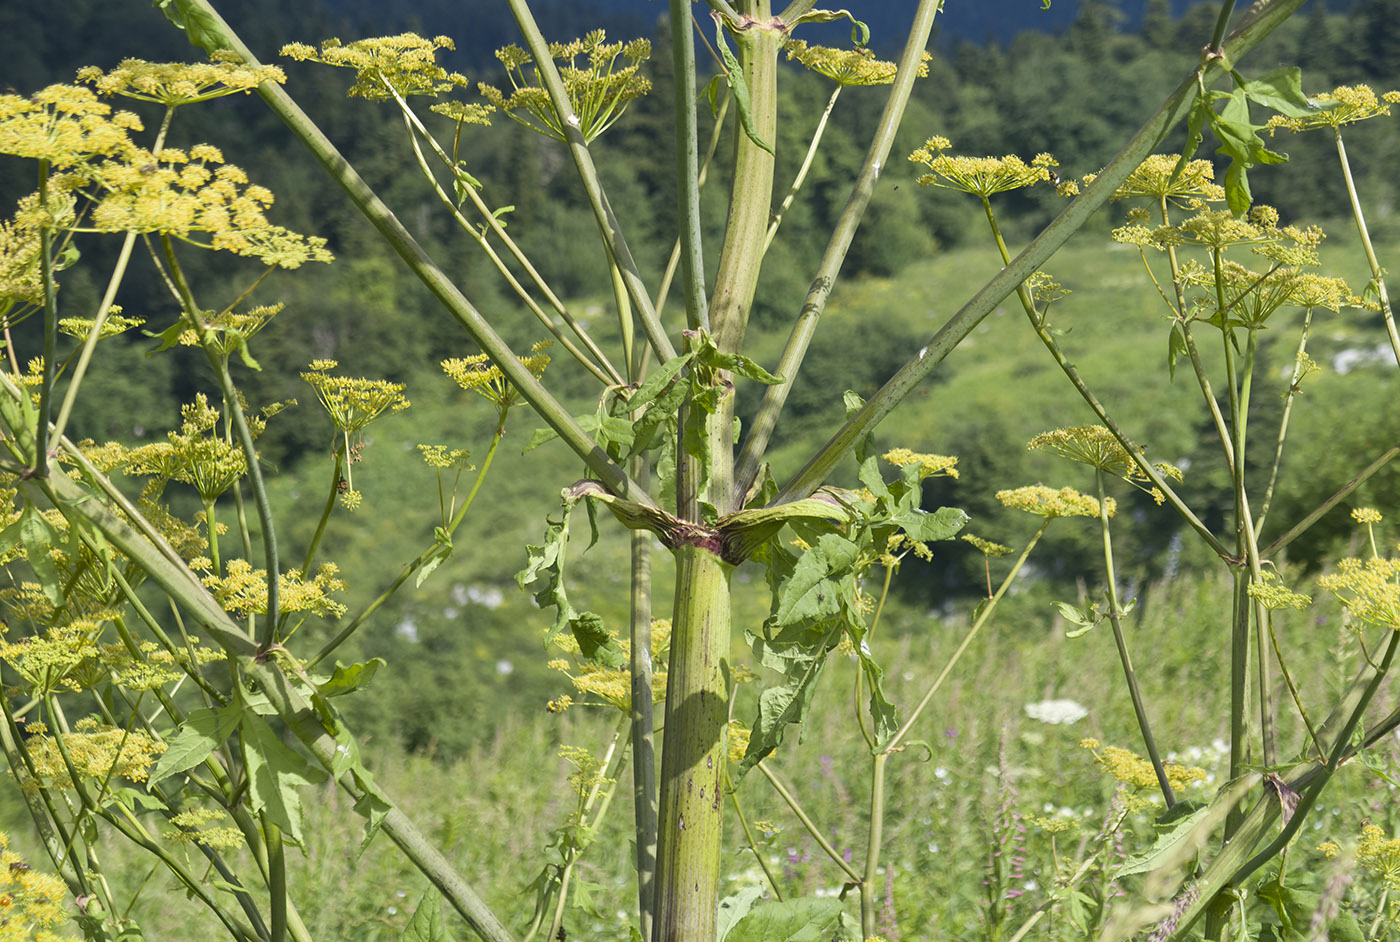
{"type": "Point", "coordinates": [1116, 620]}
{"type": "Point", "coordinates": [1377, 272]}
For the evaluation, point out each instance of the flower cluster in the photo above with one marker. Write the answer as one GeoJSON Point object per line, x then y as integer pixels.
{"type": "Point", "coordinates": [980, 176]}
{"type": "Point", "coordinates": [65, 125]}
{"type": "Point", "coordinates": [1132, 769]}
{"type": "Point", "coordinates": [1274, 596]}
{"type": "Point", "coordinates": [1156, 178]}
{"type": "Point", "coordinates": [97, 751]}
{"type": "Point", "coordinates": [1369, 590]}
{"type": "Point", "coordinates": [612, 686]}
{"type": "Point", "coordinates": [242, 589]}
{"type": "Point", "coordinates": [405, 64]}
{"type": "Point", "coordinates": [192, 827]}
{"type": "Point", "coordinates": [181, 83]}
{"type": "Point", "coordinates": [31, 900]}
{"type": "Point", "coordinates": [353, 402]}
{"type": "Point", "coordinates": [1097, 447]}
{"type": "Point", "coordinates": [599, 91]}
{"type": "Point", "coordinates": [192, 194]}
{"type": "Point", "coordinates": [847, 66]}
{"type": "Point", "coordinates": [1047, 502]}
{"type": "Point", "coordinates": [1346, 104]}
{"type": "Point", "coordinates": [928, 465]}
{"type": "Point", "coordinates": [479, 375]}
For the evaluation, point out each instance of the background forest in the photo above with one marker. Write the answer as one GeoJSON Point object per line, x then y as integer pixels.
{"type": "Point", "coordinates": [467, 683]}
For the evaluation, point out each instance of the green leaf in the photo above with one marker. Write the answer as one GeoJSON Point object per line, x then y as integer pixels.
{"type": "Point", "coordinates": [1163, 849]}
{"type": "Point", "coordinates": [202, 732]}
{"type": "Point", "coordinates": [372, 805]}
{"type": "Point", "coordinates": [38, 536]}
{"type": "Point", "coordinates": [941, 524]}
{"type": "Point", "coordinates": [734, 75]}
{"type": "Point", "coordinates": [860, 33]}
{"type": "Point", "coordinates": [811, 592]}
{"type": "Point", "coordinates": [799, 653]}
{"type": "Point", "coordinates": [657, 382]}
{"type": "Point", "coordinates": [349, 679]}
{"type": "Point", "coordinates": [200, 28]}
{"type": "Point", "coordinates": [1176, 347]}
{"type": "Point", "coordinates": [795, 920]}
{"type": "Point", "coordinates": [736, 363]}
{"type": "Point", "coordinates": [275, 772]}
{"type": "Point", "coordinates": [1282, 91]}
{"type": "Point", "coordinates": [734, 908]}
{"type": "Point", "coordinates": [427, 924]}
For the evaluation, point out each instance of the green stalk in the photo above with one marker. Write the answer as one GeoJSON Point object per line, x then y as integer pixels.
{"type": "Point", "coordinates": [982, 618]}
{"type": "Point", "coordinates": [358, 621]}
{"type": "Point", "coordinates": [805, 326]}
{"type": "Point", "coordinates": [1377, 272]}
{"type": "Point", "coordinates": [218, 35]}
{"type": "Point", "coordinates": [1299, 359]}
{"type": "Point", "coordinates": [277, 879]}
{"type": "Point", "coordinates": [608, 226]}
{"type": "Point", "coordinates": [872, 847]}
{"type": "Point", "coordinates": [219, 364]}
{"type": "Point", "coordinates": [688, 179]}
{"type": "Point", "coordinates": [411, 123]}
{"type": "Point", "coordinates": [326, 510]}
{"type": "Point", "coordinates": [1115, 618]}
{"type": "Point", "coordinates": [105, 305]}
{"type": "Point", "coordinates": [693, 757]}
{"type": "Point", "coordinates": [801, 171]}
{"type": "Point", "coordinates": [749, 838]}
{"type": "Point", "coordinates": [643, 719]}
{"type": "Point", "coordinates": [811, 827]}
{"type": "Point", "coordinates": [1264, 18]}
{"type": "Point", "coordinates": [41, 438]}
{"type": "Point", "coordinates": [1302, 526]}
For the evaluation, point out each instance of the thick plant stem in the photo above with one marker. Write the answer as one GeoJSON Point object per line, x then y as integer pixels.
{"type": "Point", "coordinates": [805, 326]}
{"type": "Point", "coordinates": [693, 757]}
{"type": "Point", "coordinates": [751, 198]}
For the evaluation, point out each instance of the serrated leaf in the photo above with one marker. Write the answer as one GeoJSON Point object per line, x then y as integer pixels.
{"type": "Point", "coordinates": [734, 76]}
{"type": "Point", "coordinates": [926, 527]}
{"type": "Point", "coordinates": [1281, 90]}
{"type": "Point", "coordinates": [345, 679]}
{"type": "Point", "coordinates": [1163, 848]}
{"type": "Point", "coordinates": [794, 920]}
{"type": "Point", "coordinates": [657, 382]}
{"type": "Point", "coordinates": [736, 363]}
{"type": "Point", "coordinates": [372, 805]}
{"type": "Point", "coordinates": [275, 773]}
{"type": "Point", "coordinates": [734, 908]}
{"type": "Point", "coordinates": [1074, 614]}
{"type": "Point", "coordinates": [202, 732]}
{"type": "Point", "coordinates": [427, 924]}
{"type": "Point", "coordinates": [811, 592]}
{"type": "Point", "coordinates": [800, 654]}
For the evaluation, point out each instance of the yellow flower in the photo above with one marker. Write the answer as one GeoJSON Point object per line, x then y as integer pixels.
{"type": "Point", "coordinates": [981, 176]}
{"type": "Point", "coordinates": [1132, 769]}
{"type": "Point", "coordinates": [65, 125]}
{"type": "Point", "coordinates": [929, 465]}
{"type": "Point", "coordinates": [1048, 502]}
{"type": "Point", "coordinates": [1380, 856]}
{"type": "Point", "coordinates": [1369, 590]}
{"type": "Point", "coordinates": [986, 546]}
{"type": "Point", "coordinates": [1346, 104]}
{"type": "Point", "coordinates": [1366, 515]}
{"type": "Point", "coordinates": [1274, 596]}
{"type": "Point", "coordinates": [406, 63]}
{"type": "Point", "coordinates": [1153, 178]}
{"type": "Point", "coordinates": [97, 752]}
{"type": "Point", "coordinates": [478, 374]}
{"type": "Point", "coordinates": [181, 83]}
{"type": "Point", "coordinates": [848, 66]}
{"type": "Point", "coordinates": [598, 93]}
{"type": "Point", "coordinates": [353, 402]}
{"type": "Point", "coordinates": [32, 900]}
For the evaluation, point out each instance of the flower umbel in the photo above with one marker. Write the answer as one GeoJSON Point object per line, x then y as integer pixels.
{"type": "Point", "coordinates": [479, 375]}
{"type": "Point", "coordinates": [181, 83]}
{"type": "Point", "coordinates": [406, 63]}
{"type": "Point", "coordinates": [1346, 104]}
{"type": "Point", "coordinates": [599, 91]}
{"type": "Point", "coordinates": [981, 176]}
{"type": "Point", "coordinates": [1047, 502]}
{"type": "Point", "coordinates": [847, 66]}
